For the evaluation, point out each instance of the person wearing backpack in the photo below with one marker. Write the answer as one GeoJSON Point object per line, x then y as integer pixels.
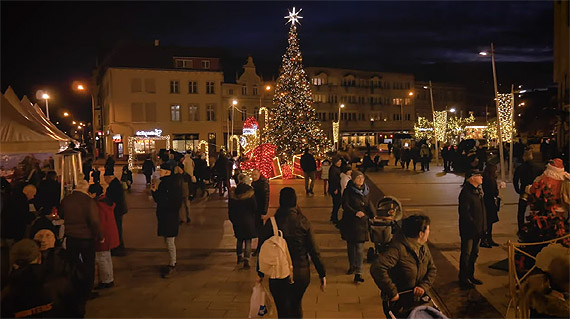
{"type": "Point", "coordinates": [288, 289]}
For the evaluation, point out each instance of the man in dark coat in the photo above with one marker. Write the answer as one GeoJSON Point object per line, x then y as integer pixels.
{"type": "Point", "coordinates": [87, 168]}
{"type": "Point", "coordinates": [481, 154]}
{"type": "Point", "coordinates": [148, 169]}
{"type": "Point", "coordinates": [407, 264]}
{"type": "Point", "coordinates": [49, 193]}
{"type": "Point", "coordinates": [334, 188]}
{"type": "Point", "coordinates": [472, 225]}
{"type": "Point", "coordinates": [260, 185]}
{"type": "Point", "coordinates": [524, 175]}
{"type": "Point", "coordinates": [168, 199]}
{"type": "Point", "coordinates": [109, 166]}
{"type": "Point", "coordinates": [17, 215]}
{"type": "Point", "coordinates": [116, 194]}
{"type": "Point", "coordinates": [309, 167]}
{"type": "Point", "coordinates": [406, 155]}
{"type": "Point", "coordinates": [357, 209]}
{"type": "Point", "coordinates": [397, 154]}
{"type": "Point", "coordinates": [221, 170]}
{"type": "Point", "coordinates": [242, 211]}
{"type": "Point", "coordinates": [202, 173]}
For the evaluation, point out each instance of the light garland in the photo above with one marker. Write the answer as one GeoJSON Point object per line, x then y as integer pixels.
{"type": "Point", "coordinates": [440, 125]}
{"type": "Point", "coordinates": [206, 150]}
{"type": "Point", "coordinates": [506, 116]}
{"type": "Point", "coordinates": [456, 127]}
{"type": "Point", "coordinates": [131, 145]}
{"type": "Point", "coordinates": [261, 158]}
{"type": "Point", "coordinates": [336, 133]}
{"type": "Point", "coordinates": [423, 129]}
{"type": "Point", "coordinates": [264, 109]}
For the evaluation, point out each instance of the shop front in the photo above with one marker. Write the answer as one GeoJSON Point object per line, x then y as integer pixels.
{"type": "Point", "coordinates": [185, 142]}
{"type": "Point", "coordinates": [358, 138]}
{"type": "Point", "coordinates": [145, 143]}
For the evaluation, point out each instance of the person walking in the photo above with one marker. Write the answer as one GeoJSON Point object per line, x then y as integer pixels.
{"type": "Point", "coordinates": [416, 156]}
{"type": "Point", "coordinates": [202, 173]}
{"type": "Point", "coordinates": [357, 209]}
{"type": "Point", "coordinates": [148, 169]}
{"type": "Point", "coordinates": [182, 181]}
{"type": "Point", "coordinates": [407, 265]}
{"type": "Point", "coordinates": [424, 157]}
{"type": "Point", "coordinates": [325, 168]}
{"type": "Point", "coordinates": [82, 231]}
{"type": "Point", "coordinates": [524, 175]}
{"type": "Point", "coordinates": [389, 148]}
{"type": "Point", "coordinates": [242, 211]}
{"type": "Point", "coordinates": [406, 156]}
{"type": "Point", "coordinates": [116, 194]}
{"type": "Point", "coordinates": [223, 176]}
{"type": "Point", "coordinates": [472, 224]}
{"type": "Point", "coordinates": [168, 201]}
{"type": "Point", "coordinates": [109, 166]}
{"type": "Point", "coordinates": [260, 186]}
{"type": "Point", "coordinates": [335, 188]}
{"type": "Point", "coordinates": [87, 168]}
{"type": "Point", "coordinates": [110, 235]}
{"type": "Point", "coordinates": [127, 177]}
{"type": "Point", "coordinates": [492, 203]}
{"type": "Point", "coordinates": [445, 157]}
{"type": "Point", "coordinates": [309, 167]}
{"type": "Point", "coordinates": [303, 249]}
{"type": "Point", "coordinates": [397, 154]}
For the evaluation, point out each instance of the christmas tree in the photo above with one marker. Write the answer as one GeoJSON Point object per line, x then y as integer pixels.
{"type": "Point", "coordinates": [293, 125]}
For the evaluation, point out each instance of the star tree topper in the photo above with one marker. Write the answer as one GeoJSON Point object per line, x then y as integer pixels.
{"type": "Point", "coordinates": [294, 16]}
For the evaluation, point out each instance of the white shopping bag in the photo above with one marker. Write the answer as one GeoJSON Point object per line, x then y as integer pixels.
{"type": "Point", "coordinates": [259, 302]}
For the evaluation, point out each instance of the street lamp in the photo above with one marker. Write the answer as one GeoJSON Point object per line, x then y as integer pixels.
{"type": "Point", "coordinates": [65, 114]}
{"type": "Point", "coordinates": [45, 96]}
{"type": "Point", "coordinates": [233, 106]}
{"type": "Point", "coordinates": [499, 133]}
{"type": "Point", "coordinates": [434, 126]}
{"type": "Point", "coordinates": [452, 110]}
{"type": "Point", "coordinates": [340, 107]}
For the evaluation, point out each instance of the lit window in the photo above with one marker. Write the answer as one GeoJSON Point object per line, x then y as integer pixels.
{"type": "Point", "coordinates": [175, 113]}
{"type": "Point", "coordinates": [192, 112]}
{"type": "Point", "coordinates": [174, 87]}
{"type": "Point", "coordinates": [317, 81]}
{"type": "Point", "coordinates": [206, 64]}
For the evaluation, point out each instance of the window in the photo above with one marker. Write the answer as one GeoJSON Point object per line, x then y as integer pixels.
{"type": "Point", "coordinates": [192, 87]}
{"type": "Point", "coordinates": [149, 86]}
{"type": "Point", "coordinates": [244, 90]}
{"type": "Point", "coordinates": [231, 91]}
{"type": "Point", "coordinates": [183, 63]}
{"type": "Point", "coordinates": [256, 113]}
{"type": "Point", "coordinates": [175, 113]}
{"type": "Point", "coordinates": [243, 113]}
{"type": "Point", "coordinates": [397, 101]}
{"type": "Point", "coordinates": [320, 97]}
{"type": "Point", "coordinates": [408, 117]}
{"type": "Point", "coordinates": [193, 112]}
{"type": "Point", "coordinates": [317, 81]}
{"type": "Point", "coordinates": [206, 64]}
{"type": "Point", "coordinates": [407, 101]}
{"type": "Point", "coordinates": [254, 90]}
{"type": "Point", "coordinates": [137, 114]}
{"type": "Point", "coordinates": [210, 112]}
{"type": "Point", "coordinates": [174, 86]}
{"type": "Point", "coordinates": [396, 117]}
{"type": "Point", "coordinates": [150, 111]}
{"type": "Point", "coordinates": [210, 87]}
{"type": "Point", "coordinates": [136, 85]}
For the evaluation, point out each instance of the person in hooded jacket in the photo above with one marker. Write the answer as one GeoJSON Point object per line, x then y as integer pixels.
{"type": "Point", "coordinates": [168, 199]}
{"type": "Point", "coordinates": [358, 209]}
{"type": "Point", "coordinates": [242, 211]}
{"type": "Point", "coordinates": [303, 249]}
{"type": "Point", "coordinates": [406, 265]}
{"type": "Point", "coordinates": [33, 292]}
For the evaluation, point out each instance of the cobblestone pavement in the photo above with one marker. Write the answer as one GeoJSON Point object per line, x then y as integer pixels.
{"type": "Point", "coordinates": [209, 284]}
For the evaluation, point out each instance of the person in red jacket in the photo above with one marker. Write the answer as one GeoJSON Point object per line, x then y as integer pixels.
{"type": "Point", "coordinates": [110, 238]}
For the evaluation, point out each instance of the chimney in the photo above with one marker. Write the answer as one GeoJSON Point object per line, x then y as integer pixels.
{"type": "Point", "coordinates": [156, 43]}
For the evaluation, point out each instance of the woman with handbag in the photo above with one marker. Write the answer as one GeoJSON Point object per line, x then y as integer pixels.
{"type": "Point", "coordinates": [358, 209]}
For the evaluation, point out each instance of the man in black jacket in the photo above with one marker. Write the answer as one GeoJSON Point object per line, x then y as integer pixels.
{"type": "Point", "coordinates": [472, 224]}
{"type": "Point", "coordinates": [260, 185]}
{"type": "Point", "coordinates": [116, 194]}
{"type": "Point", "coordinates": [524, 176]}
{"type": "Point", "coordinates": [309, 167]}
{"type": "Point", "coordinates": [334, 188]}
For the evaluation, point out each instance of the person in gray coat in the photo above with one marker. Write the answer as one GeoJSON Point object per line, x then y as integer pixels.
{"type": "Point", "coordinates": [472, 226]}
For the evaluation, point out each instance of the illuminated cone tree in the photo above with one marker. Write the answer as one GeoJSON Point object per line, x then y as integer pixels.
{"type": "Point", "coordinates": [293, 125]}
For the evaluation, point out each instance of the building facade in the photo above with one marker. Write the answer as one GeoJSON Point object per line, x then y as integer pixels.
{"type": "Point", "coordinates": [162, 98]}
{"type": "Point", "coordinates": [376, 105]}
{"type": "Point", "coordinates": [244, 99]}
{"type": "Point", "coordinates": [562, 68]}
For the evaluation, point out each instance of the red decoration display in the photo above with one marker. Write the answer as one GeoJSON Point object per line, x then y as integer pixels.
{"type": "Point", "coordinates": [262, 159]}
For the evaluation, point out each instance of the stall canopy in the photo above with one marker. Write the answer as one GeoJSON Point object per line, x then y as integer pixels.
{"type": "Point", "coordinates": [25, 130]}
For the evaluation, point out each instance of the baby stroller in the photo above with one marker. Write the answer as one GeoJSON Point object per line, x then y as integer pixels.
{"type": "Point", "coordinates": [413, 307]}
{"type": "Point", "coordinates": [388, 212]}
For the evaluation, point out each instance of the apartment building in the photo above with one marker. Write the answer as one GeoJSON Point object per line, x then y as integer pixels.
{"type": "Point", "coordinates": [244, 99]}
{"type": "Point", "coordinates": [376, 105]}
{"type": "Point", "coordinates": [153, 97]}
{"type": "Point", "coordinates": [445, 97]}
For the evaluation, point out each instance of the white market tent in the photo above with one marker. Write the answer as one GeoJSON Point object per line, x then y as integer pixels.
{"type": "Point", "coordinates": [25, 129]}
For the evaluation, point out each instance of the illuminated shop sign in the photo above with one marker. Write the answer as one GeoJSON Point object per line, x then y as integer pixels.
{"type": "Point", "coordinates": [156, 132]}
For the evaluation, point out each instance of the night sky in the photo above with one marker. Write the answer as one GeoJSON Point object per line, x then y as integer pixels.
{"type": "Point", "coordinates": [50, 44]}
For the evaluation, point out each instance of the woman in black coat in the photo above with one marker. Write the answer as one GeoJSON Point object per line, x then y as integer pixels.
{"type": "Point", "coordinates": [354, 224]}
{"type": "Point", "coordinates": [242, 210]}
{"type": "Point", "coordinates": [168, 199]}
{"type": "Point", "coordinates": [490, 197]}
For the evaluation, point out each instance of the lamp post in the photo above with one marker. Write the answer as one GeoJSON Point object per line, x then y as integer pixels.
{"type": "Point", "coordinates": [501, 153]}
{"type": "Point", "coordinates": [45, 96]}
{"type": "Point", "coordinates": [340, 107]}
{"type": "Point", "coordinates": [80, 87]}
{"type": "Point", "coordinates": [231, 146]}
{"type": "Point", "coordinates": [267, 89]}
{"type": "Point", "coordinates": [433, 116]}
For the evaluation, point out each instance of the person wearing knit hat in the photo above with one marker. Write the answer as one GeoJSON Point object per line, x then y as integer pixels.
{"type": "Point", "coordinates": [24, 252]}
{"type": "Point", "coordinates": [357, 210]}
{"type": "Point", "coordinates": [303, 249]}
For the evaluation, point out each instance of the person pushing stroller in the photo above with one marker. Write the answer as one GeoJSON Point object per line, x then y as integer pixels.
{"type": "Point", "coordinates": [406, 270]}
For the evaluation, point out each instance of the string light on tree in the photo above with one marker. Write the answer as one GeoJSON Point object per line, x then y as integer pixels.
{"type": "Point", "coordinates": [440, 125]}
{"type": "Point", "coordinates": [423, 129]}
{"type": "Point", "coordinates": [293, 121]}
{"type": "Point", "coordinates": [506, 116]}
